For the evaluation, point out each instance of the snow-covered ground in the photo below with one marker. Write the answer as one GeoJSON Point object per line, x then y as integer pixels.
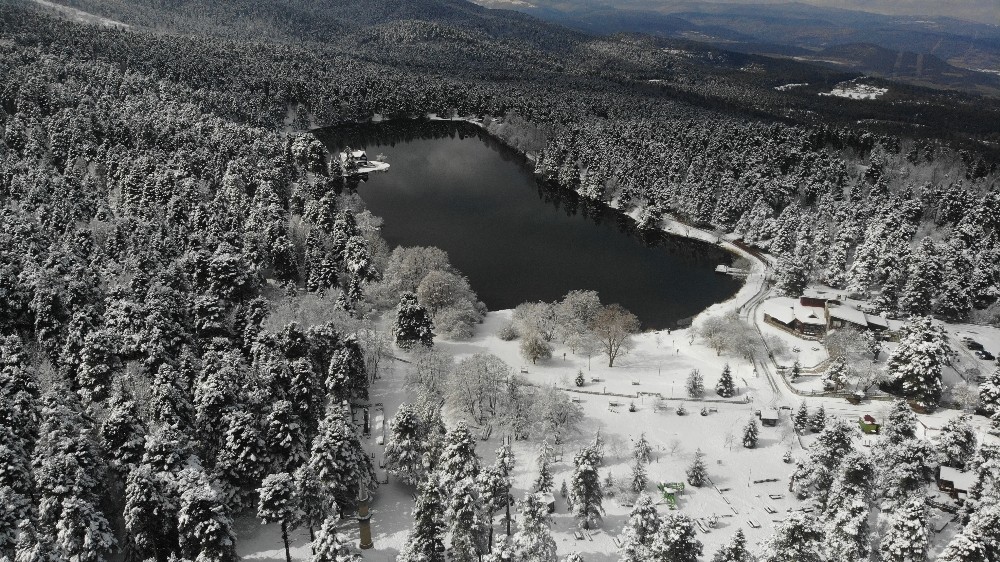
{"type": "Point", "coordinates": [786, 87]}
{"type": "Point", "coordinates": [747, 485]}
{"type": "Point", "coordinates": [855, 91]}
{"type": "Point", "coordinates": [80, 15]}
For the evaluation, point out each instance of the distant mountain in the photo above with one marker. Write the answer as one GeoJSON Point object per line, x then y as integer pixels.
{"type": "Point", "coordinates": [955, 53]}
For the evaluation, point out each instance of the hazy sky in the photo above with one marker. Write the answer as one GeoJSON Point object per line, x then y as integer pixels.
{"type": "Point", "coordinates": [985, 11]}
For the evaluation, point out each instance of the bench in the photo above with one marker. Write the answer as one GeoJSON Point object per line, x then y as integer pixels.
{"type": "Point", "coordinates": [578, 535]}
{"type": "Point", "coordinates": [753, 524]}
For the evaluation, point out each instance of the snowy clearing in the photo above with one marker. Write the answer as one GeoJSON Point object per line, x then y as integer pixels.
{"type": "Point", "coordinates": [856, 91]}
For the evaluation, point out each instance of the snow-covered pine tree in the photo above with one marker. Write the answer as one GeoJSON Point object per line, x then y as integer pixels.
{"type": "Point", "coordinates": [122, 433]}
{"type": "Point", "coordinates": [459, 460]}
{"type": "Point", "coordinates": [797, 539]}
{"type": "Point", "coordinates": [425, 542]}
{"type": "Point", "coordinates": [750, 434]}
{"type": "Point", "coordinates": [923, 281]}
{"type": "Point", "coordinates": [956, 443]}
{"type": "Point", "coordinates": [818, 420]}
{"type": "Point", "coordinates": [494, 488]}
{"type": "Point", "coordinates": [695, 384]}
{"type": "Point", "coordinates": [573, 557]}
{"type": "Point", "coordinates": [726, 388]}
{"type": "Point", "coordinates": [676, 541]}
{"type": "Point", "coordinates": [697, 472]}
{"type": "Point", "coordinates": [505, 460]}
{"type": "Point", "coordinates": [33, 546]}
{"type": "Point", "coordinates": [835, 377]}
{"type": "Point", "coordinates": [203, 522]}
{"type": "Point", "coordinates": [989, 394]}
{"type": "Point", "coordinates": [915, 366]}
{"type": "Point", "coordinates": [347, 367]}
{"type": "Point", "coordinates": [467, 521]}
{"type": "Point", "coordinates": [533, 540]}
{"type": "Point", "coordinates": [639, 478]}
{"type": "Point", "coordinates": [640, 529]}
{"type": "Point", "coordinates": [585, 487]}
{"type": "Point", "coordinates": [906, 537]}
{"type": "Point", "coordinates": [337, 459]}
{"type": "Point", "coordinates": [285, 436]}
{"type": "Point", "coordinates": [404, 452]}
{"type": "Point", "coordinates": [801, 419]}
{"type": "Point", "coordinates": [329, 548]}
{"type": "Point", "coordinates": [846, 533]}
{"type": "Point", "coordinates": [735, 550]}
{"type": "Point", "coordinates": [150, 514]}
{"type": "Point", "coordinates": [905, 469]}
{"type": "Point", "coordinates": [965, 548]}
{"type": "Point", "coordinates": [814, 475]}
{"type": "Point", "coordinates": [544, 482]}
{"type": "Point", "coordinates": [900, 423]}
{"type": "Point", "coordinates": [243, 459]}
{"type": "Point", "coordinates": [278, 503]}
{"type": "Point", "coordinates": [643, 451]}
{"type": "Point", "coordinates": [790, 277]}
{"type": "Point", "coordinates": [413, 323]}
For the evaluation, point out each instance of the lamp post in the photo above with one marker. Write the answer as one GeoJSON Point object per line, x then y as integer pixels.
{"type": "Point", "coordinates": [364, 515]}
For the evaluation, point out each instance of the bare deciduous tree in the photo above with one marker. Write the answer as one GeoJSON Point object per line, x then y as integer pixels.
{"type": "Point", "coordinates": [614, 327]}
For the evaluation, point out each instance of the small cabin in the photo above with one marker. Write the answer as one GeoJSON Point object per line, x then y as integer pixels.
{"type": "Point", "coordinates": [956, 483]}
{"type": "Point", "coordinates": [548, 500]}
{"type": "Point", "coordinates": [868, 424]}
{"type": "Point", "coordinates": [768, 417]}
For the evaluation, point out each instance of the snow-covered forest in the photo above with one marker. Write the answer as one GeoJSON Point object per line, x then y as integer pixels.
{"type": "Point", "coordinates": [192, 298]}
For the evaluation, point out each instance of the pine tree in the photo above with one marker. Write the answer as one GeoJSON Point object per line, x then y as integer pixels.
{"type": "Point", "coordinates": [814, 476]}
{"type": "Point", "coordinates": [413, 323]}
{"type": "Point", "coordinates": [425, 543]}
{"type": "Point", "coordinates": [790, 277]}
{"type": "Point", "coordinates": [205, 529]}
{"type": "Point", "coordinates": [279, 504]}
{"type": "Point", "coordinates": [695, 384]}
{"type": "Point", "coordinates": [915, 366]}
{"type": "Point", "coordinates": [243, 458]}
{"type": "Point", "coordinates": [750, 434]}
{"type": "Point", "coordinates": [676, 540]}
{"type": "Point", "coordinates": [965, 548]}
{"type": "Point", "coordinates": [459, 460]}
{"type": "Point", "coordinates": [494, 488]}
{"type": "Point", "coordinates": [957, 442]}
{"type": "Point", "coordinates": [329, 548]}
{"type": "Point", "coordinates": [639, 478]}
{"type": "Point", "coordinates": [906, 538]}
{"type": "Point", "coordinates": [641, 528]}
{"type": "Point", "coordinates": [150, 514]}
{"type": "Point", "coordinates": [285, 436]}
{"type": "Point", "coordinates": [467, 522]}
{"type": "Point", "coordinates": [835, 378]}
{"type": "Point", "coordinates": [924, 280]}
{"type": "Point", "coordinates": [725, 387]}
{"type": "Point", "coordinates": [32, 546]}
{"type": "Point", "coordinates": [585, 487]}
{"type": "Point", "coordinates": [347, 373]}
{"type": "Point", "coordinates": [544, 482]}
{"type": "Point", "coordinates": [797, 539]}
{"type": "Point", "coordinates": [818, 421]}
{"type": "Point", "coordinates": [697, 472]}
{"type": "Point", "coordinates": [337, 458]}
{"type": "Point", "coordinates": [845, 520]}
{"type": "Point", "coordinates": [900, 424]}
{"type": "Point", "coordinates": [533, 540]}
{"type": "Point", "coordinates": [404, 453]}
{"type": "Point", "coordinates": [801, 420]}
{"type": "Point", "coordinates": [642, 451]}
{"type": "Point", "coordinates": [574, 557]}
{"type": "Point", "coordinates": [735, 551]}
{"type": "Point", "coordinates": [123, 433]}
{"type": "Point", "coordinates": [314, 503]}
{"type": "Point", "coordinates": [989, 394]}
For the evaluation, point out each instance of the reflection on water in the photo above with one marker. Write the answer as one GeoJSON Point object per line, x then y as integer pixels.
{"type": "Point", "coordinates": [454, 187]}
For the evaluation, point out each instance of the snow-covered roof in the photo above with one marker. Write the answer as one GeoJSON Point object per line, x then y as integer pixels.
{"type": "Point", "coordinates": [876, 320]}
{"type": "Point", "coordinates": [810, 315]}
{"type": "Point", "coordinates": [359, 154]}
{"type": "Point", "coordinates": [769, 414]}
{"type": "Point", "coordinates": [959, 480]}
{"type": "Point", "coordinates": [780, 309]}
{"type": "Point", "coordinates": [848, 314]}
{"type": "Point", "coordinates": [822, 294]}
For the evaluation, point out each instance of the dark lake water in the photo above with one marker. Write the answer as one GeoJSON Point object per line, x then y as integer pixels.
{"type": "Point", "coordinates": [452, 186]}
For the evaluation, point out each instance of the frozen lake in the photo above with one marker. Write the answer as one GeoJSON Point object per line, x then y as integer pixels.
{"type": "Point", "coordinates": [454, 187]}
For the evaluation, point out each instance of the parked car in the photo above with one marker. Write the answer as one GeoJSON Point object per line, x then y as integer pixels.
{"type": "Point", "coordinates": [983, 354]}
{"type": "Point", "coordinates": [973, 345]}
